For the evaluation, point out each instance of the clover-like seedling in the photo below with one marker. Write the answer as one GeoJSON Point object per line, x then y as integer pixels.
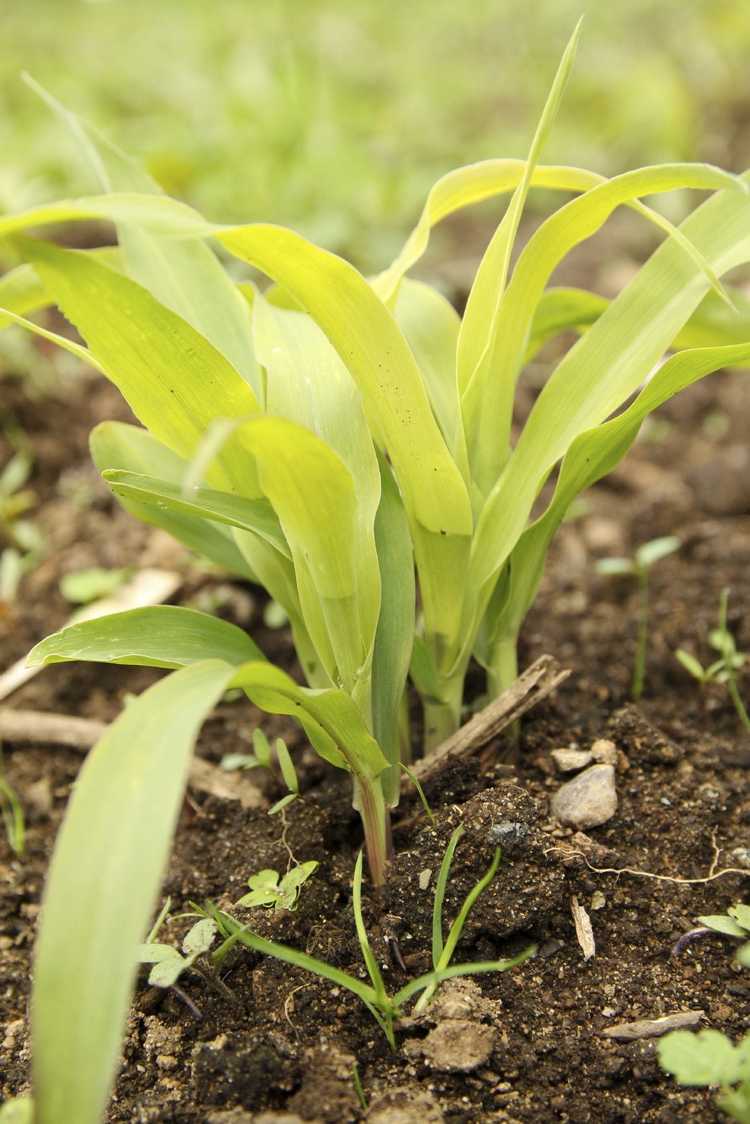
{"type": "Point", "coordinates": [734, 923]}
{"type": "Point", "coordinates": [168, 962]}
{"type": "Point", "coordinates": [263, 758]}
{"type": "Point", "coordinates": [707, 1058]}
{"type": "Point", "coordinates": [723, 670]}
{"type": "Point", "coordinates": [639, 566]}
{"type": "Point", "coordinates": [268, 889]}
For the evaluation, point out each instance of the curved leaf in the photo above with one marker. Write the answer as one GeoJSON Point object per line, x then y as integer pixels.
{"type": "Point", "coordinates": [128, 448]}
{"type": "Point", "coordinates": [159, 636]}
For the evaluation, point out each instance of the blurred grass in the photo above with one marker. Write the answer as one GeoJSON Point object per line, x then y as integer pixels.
{"type": "Point", "coordinates": [335, 116]}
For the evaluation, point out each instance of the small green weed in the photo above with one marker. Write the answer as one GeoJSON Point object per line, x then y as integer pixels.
{"type": "Point", "coordinates": [723, 670]}
{"type": "Point", "coordinates": [639, 567]}
{"type": "Point", "coordinates": [385, 1008]}
{"type": "Point", "coordinates": [710, 1058]}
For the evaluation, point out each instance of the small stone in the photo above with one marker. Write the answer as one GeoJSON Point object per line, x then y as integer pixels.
{"type": "Point", "coordinates": [598, 900]}
{"type": "Point", "coordinates": [166, 1061]}
{"type": "Point", "coordinates": [589, 800]}
{"type": "Point", "coordinates": [455, 1046]}
{"type": "Point", "coordinates": [424, 878]}
{"type": "Point", "coordinates": [653, 1028]}
{"type": "Point", "coordinates": [570, 760]}
{"type": "Point", "coordinates": [403, 1105]}
{"type": "Point", "coordinates": [604, 752]}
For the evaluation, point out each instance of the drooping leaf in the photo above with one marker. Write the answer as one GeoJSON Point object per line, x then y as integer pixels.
{"type": "Point", "coordinates": [203, 503]}
{"type": "Point", "coordinates": [368, 340]}
{"type": "Point", "coordinates": [127, 448]}
{"type": "Point", "coordinates": [723, 923]}
{"type": "Point", "coordinates": [160, 636]}
{"type": "Point", "coordinates": [487, 399]}
{"type": "Point", "coordinates": [591, 456]}
{"type": "Point", "coordinates": [174, 380]}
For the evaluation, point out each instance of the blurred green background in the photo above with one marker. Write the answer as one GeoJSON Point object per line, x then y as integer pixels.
{"type": "Point", "coordinates": [335, 116]}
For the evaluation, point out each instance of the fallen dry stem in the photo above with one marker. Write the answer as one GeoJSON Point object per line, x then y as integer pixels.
{"type": "Point", "coordinates": [543, 677]}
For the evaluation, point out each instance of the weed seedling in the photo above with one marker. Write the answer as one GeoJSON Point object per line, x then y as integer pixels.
{"type": "Point", "coordinates": [386, 1009]}
{"type": "Point", "coordinates": [710, 1058]}
{"type": "Point", "coordinates": [734, 923]}
{"type": "Point", "coordinates": [723, 670]}
{"type": "Point", "coordinates": [263, 758]}
{"type": "Point", "coordinates": [267, 888]}
{"type": "Point", "coordinates": [21, 544]}
{"type": "Point", "coordinates": [639, 567]}
{"type": "Point", "coordinates": [169, 963]}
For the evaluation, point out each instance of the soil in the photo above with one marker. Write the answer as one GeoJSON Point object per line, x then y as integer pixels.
{"type": "Point", "coordinates": [521, 1046]}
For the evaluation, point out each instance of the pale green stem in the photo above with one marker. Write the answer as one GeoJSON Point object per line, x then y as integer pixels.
{"type": "Point", "coordinates": [641, 646]}
{"type": "Point", "coordinates": [502, 670]}
{"type": "Point", "coordinates": [442, 717]}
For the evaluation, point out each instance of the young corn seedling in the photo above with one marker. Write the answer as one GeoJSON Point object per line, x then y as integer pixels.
{"type": "Point", "coordinates": [639, 567]}
{"type": "Point", "coordinates": [723, 670]}
{"type": "Point", "coordinates": [709, 1058]}
{"type": "Point", "coordinates": [343, 442]}
{"type": "Point", "coordinates": [385, 1008]}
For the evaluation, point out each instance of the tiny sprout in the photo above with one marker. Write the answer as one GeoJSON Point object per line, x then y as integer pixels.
{"type": "Point", "coordinates": [168, 963]}
{"type": "Point", "coordinates": [639, 566]}
{"type": "Point", "coordinates": [267, 890]}
{"type": "Point", "coordinates": [724, 669]}
{"type": "Point", "coordinates": [263, 758]}
{"type": "Point", "coordinates": [710, 1058]}
{"type": "Point", "coordinates": [385, 1008]}
{"type": "Point", "coordinates": [734, 923]}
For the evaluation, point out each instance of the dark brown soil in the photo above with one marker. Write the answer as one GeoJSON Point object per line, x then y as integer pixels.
{"type": "Point", "coordinates": [524, 1046]}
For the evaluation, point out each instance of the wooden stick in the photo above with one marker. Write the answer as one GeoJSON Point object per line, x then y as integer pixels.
{"type": "Point", "coordinates": [543, 677]}
{"type": "Point", "coordinates": [34, 728]}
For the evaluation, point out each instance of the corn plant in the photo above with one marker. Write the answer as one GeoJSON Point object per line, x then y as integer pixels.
{"type": "Point", "coordinates": [345, 443]}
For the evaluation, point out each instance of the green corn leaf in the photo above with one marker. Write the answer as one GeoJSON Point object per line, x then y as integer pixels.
{"type": "Point", "coordinates": [480, 323]}
{"type": "Point", "coordinates": [159, 636]}
{"type": "Point", "coordinates": [332, 545]}
{"type": "Point", "coordinates": [185, 276]}
{"type": "Point", "coordinates": [155, 212]}
{"type": "Point", "coordinates": [712, 324]}
{"type": "Point", "coordinates": [704, 1058]}
{"type": "Point", "coordinates": [464, 187]}
{"type": "Point", "coordinates": [105, 872]}
{"type": "Point", "coordinates": [369, 342]}
{"type": "Point", "coordinates": [477, 968]}
{"type": "Point", "coordinates": [173, 379]}
{"type": "Point", "coordinates": [487, 399]}
{"type": "Point", "coordinates": [591, 456]}
{"type": "Point", "coordinates": [127, 448]}
{"type": "Point", "coordinates": [202, 503]}
{"type": "Point", "coordinates": [330, 718]}
{"type": "Point", "coordinates": [21, 291]}
{"type": "Point", "coordinates": [431, 325]}
{"type": "Point", "coordinates": [600, 371]}
{"type": "Point", "coordinates": [395, 632]}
